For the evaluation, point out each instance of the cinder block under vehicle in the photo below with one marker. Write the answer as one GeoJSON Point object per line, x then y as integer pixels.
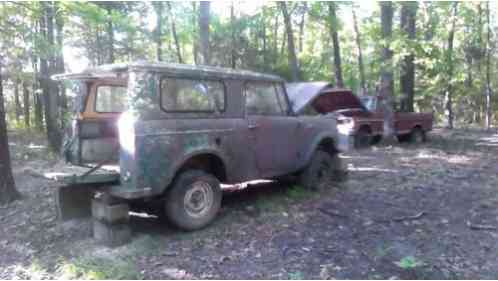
{"type": "Point", "coordinates": [172, 133]}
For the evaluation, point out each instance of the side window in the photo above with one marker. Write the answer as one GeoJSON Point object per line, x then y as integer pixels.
{"type": "Point", "coordinates": [178, 94]}
{"type": "Point", "coordinates": [262, 99]}
{"type": "Point", "coordinates": [110, 99]}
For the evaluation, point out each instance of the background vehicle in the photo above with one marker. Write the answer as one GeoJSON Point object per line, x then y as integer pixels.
{"type": "Point", "coordinates": [175, 132]}
{"type": "Point", "coordinates": [359, 117]}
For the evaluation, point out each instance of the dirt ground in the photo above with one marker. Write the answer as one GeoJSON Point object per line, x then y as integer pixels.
{"type": "Point", "coordinates": [425, 211]}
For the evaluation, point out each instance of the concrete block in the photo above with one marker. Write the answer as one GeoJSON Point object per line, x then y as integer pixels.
{"type": "Point", "coordinates": [73, 201]}
{"type": "Point", "coordinates": [111, 235]}
{"type": "Point", "coordinates": [110, 214]}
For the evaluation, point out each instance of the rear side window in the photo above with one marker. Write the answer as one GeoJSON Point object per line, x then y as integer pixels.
{"type": "Point", "coordinates": [263, 98]}
{"type": "Point", "coordinates": [110, 99]}
{"type": "Point", "coordinates": [179, 94]}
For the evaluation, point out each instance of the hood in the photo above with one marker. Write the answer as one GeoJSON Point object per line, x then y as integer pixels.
{"type": "Point", "coordinates": [322, 97]}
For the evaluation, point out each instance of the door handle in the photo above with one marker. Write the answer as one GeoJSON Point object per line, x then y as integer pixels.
{"type": "Point", "coordinates": [252, 126]}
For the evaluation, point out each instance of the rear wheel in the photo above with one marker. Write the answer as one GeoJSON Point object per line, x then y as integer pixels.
{"type": "Point", "coordinates": [322, 166]}
{"type": "Point", "coordinates": [417, 135]}
{"type": "Point", "coordinates": [362, 138]}
{"type": "Point", "coordinates": [193, 200]}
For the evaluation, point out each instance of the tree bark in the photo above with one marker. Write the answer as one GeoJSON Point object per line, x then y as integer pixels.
{"type": "Point", "coordinates": [204, 31]}
{"type": "Point", "coordinates": [291, 50]}
{"type": "Point", "coordinates": [233, 54]}
{"type": "Point", "coordinates": [8, 191]}
{"type": "Point", "coordinates": [361, 67]}
{"type": "Point", "coordinates": [175, 35]}
{"type": "Point", "coordinates": [407, 76]}
{"type": "Point", "coordinates": [59, 62]}
{"type": "Point", "coordinates": [158, 8]}
{"type": "Point", "coordinates": [195, 48]}
{"type": "Point", "coordinates": [386, 79]}
{"type": "Point", "coordinates": [49, 89]}
{"type": "Point", "coordinates": [336, 44]}
{"type": "Point", "coordinates": [301, 26]}
{"type": "Point", "coordinates": [110, 33]}
{"type": "Point", "coordinates": [448, 95]}
{"type": "Point", "coordinates": [17, 100]}
{"type": "Point", "coordinates": [26, 105]}
{"type": "Point", "coordinates": [488, 69]}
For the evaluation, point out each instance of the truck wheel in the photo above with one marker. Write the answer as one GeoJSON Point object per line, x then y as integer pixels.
{"type": "Point", "coordinates": [193, 200]}
{"type": "Point", "coordinates": [362, 138]}
{"type": "Point", "coordinates": [417, 136]}
{"type": "Point", "coordinates": [321, 167]}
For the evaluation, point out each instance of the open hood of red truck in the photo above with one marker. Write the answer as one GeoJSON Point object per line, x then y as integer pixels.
{"type": "Point", "coordinates": [322, 97]}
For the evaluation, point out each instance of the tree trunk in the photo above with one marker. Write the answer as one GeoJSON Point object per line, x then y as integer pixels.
{"type": "Point", "coordinates": [386, 75]}
{"type": "Point", "coordinates": [301, 27]}
{"type": "Point", "coordinates": [175, 35]}
{"type": "Point", "coordinates": [291, 50]}
{"type": "Point", "coordinates": [407, 76]}
{"type": "Point", "coordinates": [196, 36]}
{"type": "Point", "coordinates": [26, 105]}
{"type": "Point", "coordinates": [8, 192]}
{"type": "Point", "coordinates": [361, 67]}
{"type": "Point", "coordinates": [110, 33]}
{"type": "Point", "coordinates": [204, 31]}
{"type": "Point", "coordinates": [335, 42]}
{"type": "Point", "coordinates": [448, 95]}
{"type": "Point", "coordinates": [59, 62]}
{"type": "Point", "coordinates": [233, 57]}
{"type": "Point", "coordinates": [50, 93]}
{"type": "Point", "coordinates": [158, 8]}
{"type": "Point", "coordinates": [488, 70]}
{"type": "Point", "coordinates": [17, 101]}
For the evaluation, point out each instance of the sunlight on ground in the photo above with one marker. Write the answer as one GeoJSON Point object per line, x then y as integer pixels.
{"type": "Point", "coordinates": [373, 169]}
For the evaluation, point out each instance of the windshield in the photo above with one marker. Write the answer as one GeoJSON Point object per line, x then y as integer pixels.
{"type": "Point", "coordinates": [110, 98]}
{"type": "Point", "coordinates": [369, 102]}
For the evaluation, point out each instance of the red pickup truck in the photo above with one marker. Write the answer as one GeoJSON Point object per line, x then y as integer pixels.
{"type": "Point", "coordinates": [359, 117]}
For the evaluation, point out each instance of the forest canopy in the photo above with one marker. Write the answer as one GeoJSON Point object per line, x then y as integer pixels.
{"type": "Point", "coordinates": [439, 56]}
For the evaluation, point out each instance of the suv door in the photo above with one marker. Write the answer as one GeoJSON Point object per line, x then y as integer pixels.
{"type": "Point", "coordinates": [272, 130]}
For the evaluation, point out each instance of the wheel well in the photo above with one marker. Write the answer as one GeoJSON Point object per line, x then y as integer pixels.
{"type": "Point", "coordinates": [365, 128]}
{"type": "Point", "coordinates": [328, 145]}
{"type": "Point", "coordinates": [208, 163]}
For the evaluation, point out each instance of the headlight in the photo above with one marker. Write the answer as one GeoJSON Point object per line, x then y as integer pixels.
{"type": "Point", "coordinates": [345, 125]}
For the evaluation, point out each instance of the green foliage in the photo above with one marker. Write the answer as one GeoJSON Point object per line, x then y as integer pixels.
{"type": "Point", "coordinates": [98, 269]}
{"type": "Point", "coordinates": [409, 262]}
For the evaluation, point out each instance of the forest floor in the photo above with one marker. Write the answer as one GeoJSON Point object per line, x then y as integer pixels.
{"type": "Point", "coordinates": [426, 211]}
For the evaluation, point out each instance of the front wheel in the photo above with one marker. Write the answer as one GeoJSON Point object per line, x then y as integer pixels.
{"type": "Point", "coordinates": [193, 200]}
{"type": "Point", "coordinates": [322, 166]}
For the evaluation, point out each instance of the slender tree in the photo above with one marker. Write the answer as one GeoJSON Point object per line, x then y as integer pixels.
{"type": "Point", "coordinates": [448, 94]}
{"type": "Point", "coordinates": [204, 10]}
{"type": "Point", "coordinates": [334, 27]}
{"type": "Point", "coordinates": [361, 67]}
{"type": "Point", "coordinates": [17, 100]}
{"type": "Point", "coordinates": [488, 69]}
{"type": "Point", "coordinates": [407, 77]}
{"type": "Point", "coordinates": [26, 104]}
{"type": "Point", "coordinates": [233, 56]}
{"type": "Point", "coordinates": [8, 191]}
{"type": "Point", "coordinates": [158, 8]}
{"type": "Point", "coordinates": [386, 75]}
{"type": "Point", "coordinates": [291, 49]}
{"type": "Point", "coordinates": [174, 34]}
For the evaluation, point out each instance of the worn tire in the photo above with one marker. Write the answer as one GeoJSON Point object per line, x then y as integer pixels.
{"type": "Point", "coordinates": [362, 138]}
{"type": "Point", "coordinates": [376, 139]}
{"type": "Point", "coordinates": [417, 135]}
{"type": "Point", "coordinates": [193, 200]}
{"type": "Point", "coordinates": [321, 166]}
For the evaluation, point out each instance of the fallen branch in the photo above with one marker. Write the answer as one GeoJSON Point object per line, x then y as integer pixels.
{"type": "Point", "coordinates": [415, 217]}
{"type": "Point", "coordinates": [480, 226]}
{"type": "Point", "coordinates": [405, 218]}
{"type": "Point", "coordinates": [332, 213]}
